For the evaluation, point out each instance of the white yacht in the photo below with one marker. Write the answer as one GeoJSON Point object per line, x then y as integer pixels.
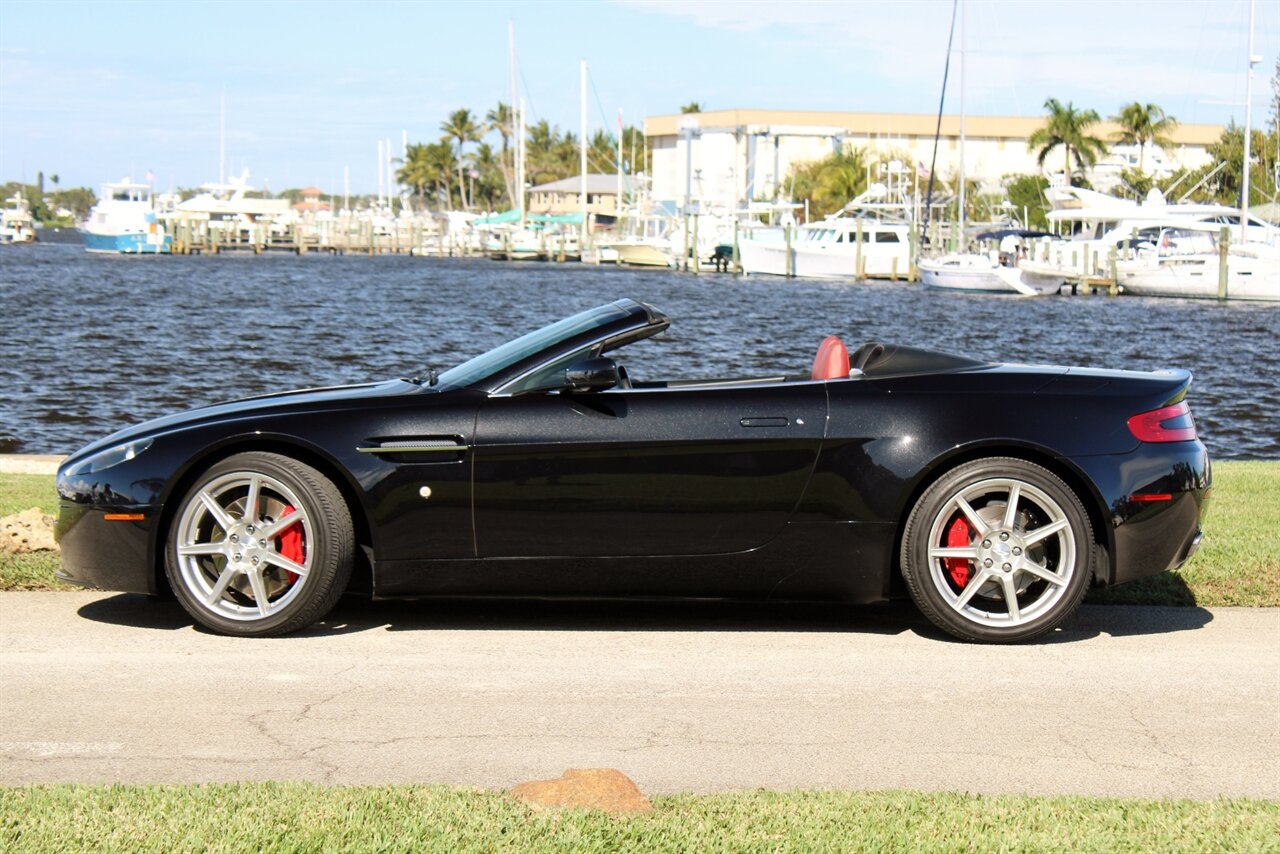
{"type": "Point", "coordinates": [16, 224]}
{"type": "Point", "coordinates": [124, 222]}
{"type": "Point", "coordinates": [1098, 223]}
{"type": "Point", "coordinates": [1186, 262]}
{"type": "Point", "coordinates": [228, 208]}
{"type": "Point", "coordinates": [830, 249]}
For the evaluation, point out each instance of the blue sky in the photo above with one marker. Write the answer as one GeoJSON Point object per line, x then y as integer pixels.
{"type": "Point", "coordinates": [94, 91]}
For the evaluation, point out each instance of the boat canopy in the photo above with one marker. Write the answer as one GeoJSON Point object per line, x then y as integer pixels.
{"type": "Point", "coordinates": [513, 216]}
{"type": "Point", "coordinates": [1001, 234]}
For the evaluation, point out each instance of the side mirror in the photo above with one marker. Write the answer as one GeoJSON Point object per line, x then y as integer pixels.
{"type": "Point", "coordinates": [595, 374]}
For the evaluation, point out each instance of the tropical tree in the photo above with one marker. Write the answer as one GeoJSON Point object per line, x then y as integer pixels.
{"type": "Point", "coordinates": [634, 150]}
{"type": "Point", "coordinates": [1143, 125]}
{"type": "Point", "coordinates": [1067, 128]}
{"type": "Point", "coordinates": [490, 175]}
{"type": "Point", "coordinates": [829, 184]}
{"type": "Point", "coordinates": [500, 119]}
{"type": "Point", "coordinates": [691, 107]}
{"type": "Point", "coordinates": [429, 167]}
{"type": "Point", "coordinates": [1026, 193]}
{"type": "Point", "coordinates": [602, 152]}
{"type": "Point", "coordinates": [551, 155]}
{"type": "Point", "coordinates": [413, 172]}
{"type": "Point", "coordinates": [462, 128]}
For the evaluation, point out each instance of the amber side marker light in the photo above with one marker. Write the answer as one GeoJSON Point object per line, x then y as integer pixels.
{"type": "Point", "coordinates": [124, 517]}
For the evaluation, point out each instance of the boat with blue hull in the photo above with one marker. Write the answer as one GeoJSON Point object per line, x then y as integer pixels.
{"type": "Point", "coordinates": [124, 222]}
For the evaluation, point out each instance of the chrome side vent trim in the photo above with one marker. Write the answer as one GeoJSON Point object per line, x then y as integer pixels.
{"type": "Point", "coordinates": [415, 446]}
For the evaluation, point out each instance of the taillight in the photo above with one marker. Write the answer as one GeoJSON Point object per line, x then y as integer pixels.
{"type": "Point", "coordinates": [1166, 424]}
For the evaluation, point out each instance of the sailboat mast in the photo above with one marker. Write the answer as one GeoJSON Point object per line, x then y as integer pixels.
{"type": "Point", "coordinates": [582, 150]}
{"type": "Point", "coordinates": [963, 242]}
{"type": "Point", "coordinates": [517, 189]}
{"type": "Point", "coordinates": [1248, 127]}
{"type": "Point", "coordinates": [222, 138]}
{"type": "Point", "coordinates": [617, 206]}
{"type": "Point", "coordinates": [520, 165]}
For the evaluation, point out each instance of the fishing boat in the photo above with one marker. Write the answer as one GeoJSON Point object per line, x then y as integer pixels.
{"type": "Point", "coordinates": [16, 224]}
{"type": "Point", "coordinates": [869, 238]}
{"type": "Point", "coordinates": [125, 222]}
{"type": "Point", "coordinates": [642, 252]}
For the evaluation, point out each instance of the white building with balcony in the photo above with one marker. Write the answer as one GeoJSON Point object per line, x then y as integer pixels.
{"type": "Point", "coordinates": [727, 157]}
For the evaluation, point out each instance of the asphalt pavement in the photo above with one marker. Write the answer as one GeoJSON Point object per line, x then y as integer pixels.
{"type": "Point", "coordinates": [702, 697]}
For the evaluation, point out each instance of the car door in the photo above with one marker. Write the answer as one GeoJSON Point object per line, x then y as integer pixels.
{"type": "Point", "coordinates": [660, 471]}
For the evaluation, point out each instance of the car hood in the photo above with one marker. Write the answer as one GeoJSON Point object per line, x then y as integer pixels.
{"type": "Point", "coordinates": [297, 400]}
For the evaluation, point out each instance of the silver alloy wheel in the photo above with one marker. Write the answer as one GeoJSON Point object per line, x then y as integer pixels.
{"type": "Point", "coordinates": [1021, 552]}
{"type": "Point", "coordinates": [227, 547]}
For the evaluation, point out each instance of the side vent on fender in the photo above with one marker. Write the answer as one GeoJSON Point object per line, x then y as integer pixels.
{"type": "Point", "coordinates": [425, 449]}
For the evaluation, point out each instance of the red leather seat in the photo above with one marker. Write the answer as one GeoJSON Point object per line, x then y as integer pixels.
{"type": "Point", "coordinates": [832, 362]}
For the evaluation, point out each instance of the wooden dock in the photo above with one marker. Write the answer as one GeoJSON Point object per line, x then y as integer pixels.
{"type": "Point", "coordinates": [357, 237]}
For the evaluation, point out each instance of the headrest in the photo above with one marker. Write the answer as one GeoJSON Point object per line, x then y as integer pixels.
{"type": "Point", "coordinates": [832, 362]}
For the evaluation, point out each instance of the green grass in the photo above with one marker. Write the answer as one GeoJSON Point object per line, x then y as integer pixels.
{"type": "Point", "coordinates": [271, 817]}
{"type": "Point", "coordinates": [1239, 563]}
{"type": "Point", "coordinates": [34, 570]}
{"type": "Point", "coordinates": [24, 491]}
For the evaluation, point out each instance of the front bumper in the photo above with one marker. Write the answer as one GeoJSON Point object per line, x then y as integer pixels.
{"type": "Point", "coordinates": [110, 554]}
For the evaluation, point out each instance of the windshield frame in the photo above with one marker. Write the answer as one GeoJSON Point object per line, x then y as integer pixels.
{"type": "Point", "coordinates": [506, 363]}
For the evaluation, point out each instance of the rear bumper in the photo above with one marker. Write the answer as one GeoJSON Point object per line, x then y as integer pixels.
{"type": "Point", "coordinates": [1157, 497]}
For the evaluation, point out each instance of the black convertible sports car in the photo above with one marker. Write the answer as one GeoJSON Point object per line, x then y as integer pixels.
{"type": "Point", "coordinates": [997, 493]}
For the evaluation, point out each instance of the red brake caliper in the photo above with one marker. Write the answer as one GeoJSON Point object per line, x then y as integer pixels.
{"type": "Point", "coordinates": [959, 535]}
{"type": "Point", "coordinates": [290, 544]}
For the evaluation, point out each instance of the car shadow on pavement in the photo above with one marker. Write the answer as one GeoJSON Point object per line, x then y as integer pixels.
{"type": "Point", "coordinates": [356, 614]}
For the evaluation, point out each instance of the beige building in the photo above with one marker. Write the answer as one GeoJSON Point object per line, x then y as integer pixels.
{"type": "Point", "coordinates": [726, 156]}
{"type": "Point", "coordinates": [564, 196]}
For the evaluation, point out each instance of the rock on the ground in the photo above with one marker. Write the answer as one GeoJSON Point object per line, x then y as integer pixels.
{"type": "Point", "coordinates": [586, 788]}
{"type": "Point", "coordinates": [28, 531]}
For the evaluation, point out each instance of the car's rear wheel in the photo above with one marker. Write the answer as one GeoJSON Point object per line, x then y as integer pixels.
{"type": "Point", "coordinates": [261, 544]}
{"type": "Point", "coordinates": [997, 550]}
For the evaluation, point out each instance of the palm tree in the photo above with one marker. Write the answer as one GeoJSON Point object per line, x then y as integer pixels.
{"type": "Point", "coordinates": [1069, 128]}
{"type": "Point", "coordinates": [691, 107]}
{"type": "Point", "coordinates": [500, 119]}
{"type": "Point", "coordinates": [541, 152]}
{"type": "Point", "coordinates": [832, 182]}
{"type": "Point", "coordinates": [428, 165]}
{"type": "Point", "coordinates": [461, 127]}
{"type": "Point", "coordinates": [416, 171]}
{"type": "Point", "coordinates": [1143, 124]}
{"type": "Point", "coordinates": [489, 168]}
{"type": "Point", "coordinates": [602, 152]}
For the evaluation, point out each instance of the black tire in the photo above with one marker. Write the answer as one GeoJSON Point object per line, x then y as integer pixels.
{"type": "Point", "coordinates": [222, 584]}
{"type": "Point", "coordinates": [1044, 558]}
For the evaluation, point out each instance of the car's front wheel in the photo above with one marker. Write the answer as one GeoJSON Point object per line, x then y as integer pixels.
{"type": "Point", "coordinates": [261, 544]}
{"type": "Point", "coordinates": [997, 550]}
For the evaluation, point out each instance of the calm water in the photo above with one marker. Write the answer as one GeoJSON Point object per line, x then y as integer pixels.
{"type": "Point", "coordinates": [90, 344]}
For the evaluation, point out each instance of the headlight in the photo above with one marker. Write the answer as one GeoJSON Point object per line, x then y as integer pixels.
{"type": "Point", "coordinates": [110, 457]}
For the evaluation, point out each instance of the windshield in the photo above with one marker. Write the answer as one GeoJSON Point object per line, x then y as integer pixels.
{"type": "Point", "coordinates": [500, 358]}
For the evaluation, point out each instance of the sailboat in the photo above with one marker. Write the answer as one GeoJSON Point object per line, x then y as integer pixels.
{"type": "Point", "coordinates": [973, 271]}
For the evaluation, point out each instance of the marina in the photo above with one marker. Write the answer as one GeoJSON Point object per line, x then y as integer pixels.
{"type": "Point", "coordinates": [95, 342]}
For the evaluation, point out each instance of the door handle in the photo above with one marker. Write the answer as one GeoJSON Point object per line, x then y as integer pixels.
{"type": "Point", "coordinates": [770, 421]}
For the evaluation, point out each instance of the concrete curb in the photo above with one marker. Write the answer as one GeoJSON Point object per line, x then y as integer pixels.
{"type": "Point", "coordinates": [30, 463]}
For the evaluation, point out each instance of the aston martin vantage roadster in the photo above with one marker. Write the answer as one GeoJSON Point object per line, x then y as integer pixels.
{"type": "Point", "coordinates": [993, 494]}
